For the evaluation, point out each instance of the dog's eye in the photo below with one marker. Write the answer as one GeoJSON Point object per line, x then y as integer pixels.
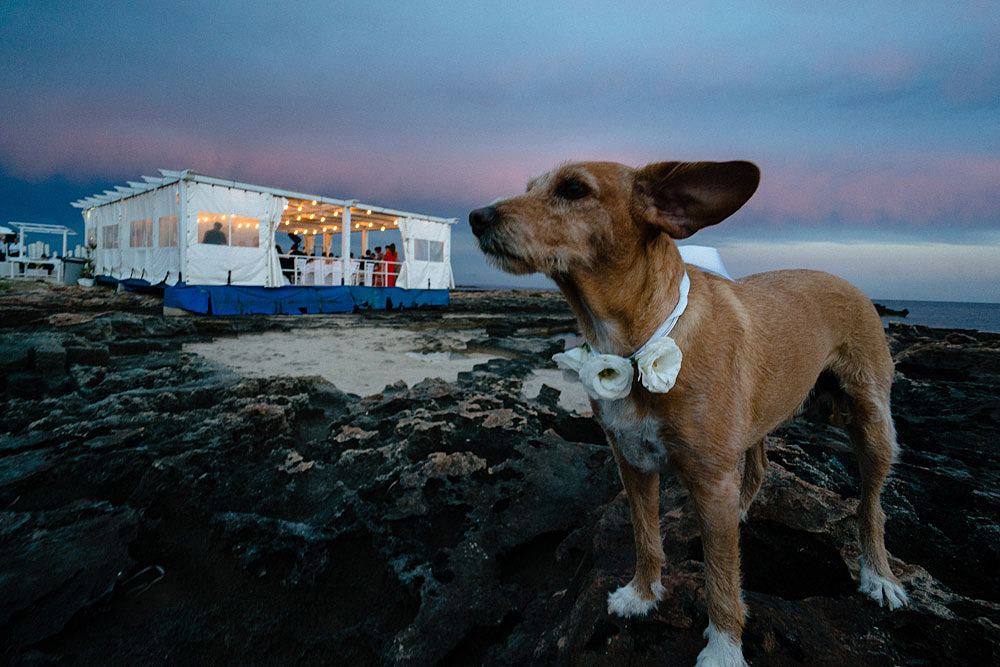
{"type": "Point", "coordinates": [572, 189]}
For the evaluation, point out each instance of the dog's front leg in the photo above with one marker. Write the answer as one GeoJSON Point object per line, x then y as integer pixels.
{"type": "Point", "coordinates": [641, 594]}
{"type": "Point", "coordinates": [716, 495]}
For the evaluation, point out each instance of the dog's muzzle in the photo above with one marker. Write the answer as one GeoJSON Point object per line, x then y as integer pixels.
{"type": "Point", "coordinates": [482, 219]}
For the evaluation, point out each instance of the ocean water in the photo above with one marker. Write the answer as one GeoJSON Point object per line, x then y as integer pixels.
{"type": "Point", "coordinates": [946, 314]}
{"type": "Point", "coordinates": [937, 314]}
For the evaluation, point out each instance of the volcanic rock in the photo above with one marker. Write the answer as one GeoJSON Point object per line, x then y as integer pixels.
{"type": "Point", "coordinates": [159, 508]}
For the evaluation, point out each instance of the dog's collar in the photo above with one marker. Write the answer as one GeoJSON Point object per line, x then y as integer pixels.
{"type": "Point", "coordinates": [658, 361]}
{"type": "Point", "coordinates": [669, 323]}
{"type": "Point", "coordinates": [608, 376]}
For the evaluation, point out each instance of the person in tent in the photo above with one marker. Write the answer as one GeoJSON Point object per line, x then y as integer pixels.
{"type": "Point", "coordinates": [379, 267]}
{"type": "Point", "coordinates": [391, 266]}
{"type": "Point", "coordinates": [215, 236]}
{"type": "Point", "coordinates": [286, 263]}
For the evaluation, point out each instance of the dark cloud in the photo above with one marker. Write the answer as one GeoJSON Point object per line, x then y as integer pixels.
{"type": "Point", "coordinates": [858, 114]}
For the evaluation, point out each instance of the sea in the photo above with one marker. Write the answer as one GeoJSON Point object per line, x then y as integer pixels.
{"type": "Point", "coordinates": [946, 314]}
{"type": "Point", "coordinates": [936, 314]}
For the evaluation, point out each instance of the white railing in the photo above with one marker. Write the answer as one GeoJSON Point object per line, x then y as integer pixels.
{"type": "Point", "coordinates": [32, 267]}
{"type": "Point", "coordinates": [318, 270]}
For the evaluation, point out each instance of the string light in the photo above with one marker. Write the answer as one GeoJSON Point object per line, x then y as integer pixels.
{"type": "Point", "coordinates": [314, 202]}
{"type": "Point", "coordinates": [369, 211]}
{"type": "Point", "coordinates": [323, 219]}
{"type": "Point", "coordinates": [300, 208]}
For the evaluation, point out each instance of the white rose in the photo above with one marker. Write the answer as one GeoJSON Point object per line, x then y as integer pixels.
{"type": "Point", "coordinates": [607, 376]}
{"type": "Point", "coordinates": [571, 361]}
{"type": "Point", "coordinates": [659, 364]}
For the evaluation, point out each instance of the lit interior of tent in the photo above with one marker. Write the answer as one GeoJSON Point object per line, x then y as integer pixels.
{"type": "Point", "coordinates": [320, 226]}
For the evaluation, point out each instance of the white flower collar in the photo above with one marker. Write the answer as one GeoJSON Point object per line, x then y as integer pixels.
{"type": "Point", "coordinates": [609, 376]}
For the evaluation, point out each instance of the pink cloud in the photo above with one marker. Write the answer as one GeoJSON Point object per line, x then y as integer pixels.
{"type": "Point", "coordinates": [909, 189]}
{"type": "Point", "coordinates": [918, 190]}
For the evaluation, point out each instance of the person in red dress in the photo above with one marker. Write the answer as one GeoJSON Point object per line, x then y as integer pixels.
{"type": "Point", "coordinates": [391, 265]}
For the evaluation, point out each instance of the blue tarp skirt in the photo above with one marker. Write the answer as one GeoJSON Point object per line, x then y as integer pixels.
{"type": "Point", "coordinates": [296, 299]}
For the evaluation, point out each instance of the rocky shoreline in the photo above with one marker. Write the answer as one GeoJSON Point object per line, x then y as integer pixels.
{"type": "Point", "coordinates": [159, 508]}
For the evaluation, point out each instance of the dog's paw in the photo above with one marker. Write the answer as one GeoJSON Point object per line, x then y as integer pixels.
{"type": "Point", "coordinates": [886, 592]}
{"type": "Point", "coordinates": [625, 602]}
{"type": "Point", "coordinates": [722, 650]}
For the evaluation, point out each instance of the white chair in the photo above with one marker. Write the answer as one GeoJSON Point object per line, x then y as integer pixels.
{"type": "Point", "coordinates": [301, 268]}
{"type": "Point", "coordinates": [322, 271]}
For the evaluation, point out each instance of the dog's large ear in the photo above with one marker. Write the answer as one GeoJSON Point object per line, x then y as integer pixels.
{"type": "Point", "coordinates": [682, 197]}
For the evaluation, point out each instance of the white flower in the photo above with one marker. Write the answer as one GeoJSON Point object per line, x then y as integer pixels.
{"type": "Point", "coordinates": [659, 364]}
{"type": "Point", "coordinates": [607, 376]}
{"type": "Point", "coordinates": [571, 361]}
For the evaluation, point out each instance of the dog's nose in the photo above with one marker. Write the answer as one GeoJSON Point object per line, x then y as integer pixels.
{"type": "Point", "coordinates": [482, 218]}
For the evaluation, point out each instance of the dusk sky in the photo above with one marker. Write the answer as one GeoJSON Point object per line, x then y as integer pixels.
{"type": "Point", "coordinates": [876, 125]}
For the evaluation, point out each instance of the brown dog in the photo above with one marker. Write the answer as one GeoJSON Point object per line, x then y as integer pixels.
{"type": "Point", "coordinates": [752, 351]}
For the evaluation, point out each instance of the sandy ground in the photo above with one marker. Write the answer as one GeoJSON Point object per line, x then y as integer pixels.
{"type": "Point", "coordinates": [363, 360]}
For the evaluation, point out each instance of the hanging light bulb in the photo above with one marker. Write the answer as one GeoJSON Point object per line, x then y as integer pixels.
{"type": "Point", "coordinates": [369, 211]}
{"type": "Point", "coordinates": [314, 202]}
{"type": "Point", "coordinates": [383, 228]}
{"type": "Point", "coordinates": [300, 208]}
{"type": "Point", "coordinates": [323, 219]}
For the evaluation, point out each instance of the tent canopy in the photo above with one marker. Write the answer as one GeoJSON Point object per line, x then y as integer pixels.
{"type": "Point", "coordinates": [214, 231]}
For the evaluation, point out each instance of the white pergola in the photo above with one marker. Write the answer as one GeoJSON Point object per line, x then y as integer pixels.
{"type": "Point", "coordinates": [39, 228]}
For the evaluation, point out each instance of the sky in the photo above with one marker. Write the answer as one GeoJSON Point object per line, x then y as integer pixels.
{"type": "Point", "coordinates": [876, 125]}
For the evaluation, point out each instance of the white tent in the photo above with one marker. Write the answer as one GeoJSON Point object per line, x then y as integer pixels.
{"type": "Point", "coordinates": [183, 226]}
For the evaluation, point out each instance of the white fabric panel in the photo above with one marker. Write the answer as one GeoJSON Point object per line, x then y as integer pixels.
{"type": "Point", "coordinates": [417, 272]}
{"type": "Point", "coordinates": [164, 263]}
{"type": "Point", "coordinates": [221, 264]}
{"type": "Point", "coordinates": [151, 262]}
{"type": "Point", "coordinates": [134, 261]}
{"type": "Point", "coordinates": [273, 278]}
{"type": "Point", "coordinates": [107, 259]}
